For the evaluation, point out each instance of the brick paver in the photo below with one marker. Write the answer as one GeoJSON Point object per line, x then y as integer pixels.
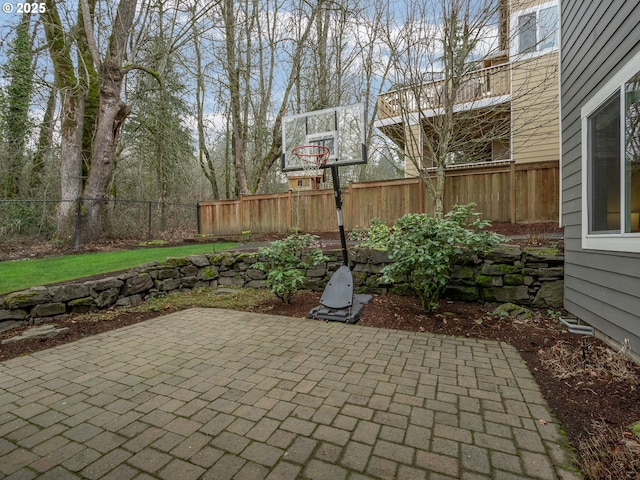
{"type": "Point", "coordinates": [208, 393]}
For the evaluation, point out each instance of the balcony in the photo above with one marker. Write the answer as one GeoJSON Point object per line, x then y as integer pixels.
{"type": "Point", "coordinates": [478, 89]}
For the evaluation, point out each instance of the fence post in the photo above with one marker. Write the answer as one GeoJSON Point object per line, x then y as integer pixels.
{"type": "Point", "coordinates": [513, 199]}
{"type": "Point", "coordinates": [198, 218]}
{"type": "Point", "coordinates": [78, 232]}
{"type": "Point", "coordinates": [241, 214]}
{"type": "Point", "coordinates": [148, 220]}
{"type": "Point", "coordinates": [290, 211]}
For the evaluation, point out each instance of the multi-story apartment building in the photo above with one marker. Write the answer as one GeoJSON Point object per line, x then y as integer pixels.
{"type": "Point", "coordinates": [505, 104]}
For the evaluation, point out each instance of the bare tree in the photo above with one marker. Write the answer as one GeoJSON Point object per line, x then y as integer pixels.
{"type": "Point", "coordinates": [73, 88]}
{"type": "Point", "coordinates": [262, 40]}
{"type": "Point", "coordinates": [112, 114]}
{"type": "Point", "coordinates": [205, 157]}
{"type": "Point", "coordinates": [105, 35]}
{"type": "Point", "coordinates": [453, 74]}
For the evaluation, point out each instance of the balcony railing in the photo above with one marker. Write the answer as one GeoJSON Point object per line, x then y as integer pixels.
{"type": "Point", "coordinates": [474, 87]}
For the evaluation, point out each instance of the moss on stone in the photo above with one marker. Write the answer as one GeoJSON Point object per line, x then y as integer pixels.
{"type": "Point", "coordinates": [208, 273]}
{"type": "Point", "coordinates": [224, 259]}
{"type": "Point", "coordinates": [512, 310]}
{"type": "Point", "coordinates": [177, 261]}
{"type": "Point", "coordinates": [484, 280]}
{"type": "Point", "coordinates": [498, 269]}
{"type": "Point", "coordinates": [538, 251]}
{"type": "Point", "coordinates": [504, 268]}
{"type": "Point", "coordinates": [359, 278]}
{"type": "Point", "coordinates": [462, 273]}
{"type": "Point", "coordinates": [514, 279]}
{"type": "Point", "coordinates": [79, 302]}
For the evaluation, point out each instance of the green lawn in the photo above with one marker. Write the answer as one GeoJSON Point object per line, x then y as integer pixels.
{"type": "Point", "coordinates": [22, 274]}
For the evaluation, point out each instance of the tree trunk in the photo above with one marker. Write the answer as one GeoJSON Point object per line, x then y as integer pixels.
{"type": "Point", "coordinates": [45, 141]}
{"type": "Point", "coordinates": [438, 200]}
{"type": "Point", "coordinates": [72, 114]}
{"type": "Point", "coordinates": [70, 157]}
{"type": "Point", "coordinates": [111, 116]}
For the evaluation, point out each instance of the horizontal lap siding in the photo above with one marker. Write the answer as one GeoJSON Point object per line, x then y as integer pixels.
{"type": "Point", "coordinates": [602, 288]}
{"type": "Point", "coordinates": [534, 109]}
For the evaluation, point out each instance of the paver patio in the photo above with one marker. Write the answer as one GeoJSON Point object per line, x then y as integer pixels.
{"type": "Point", "coordinates": [217, 394]}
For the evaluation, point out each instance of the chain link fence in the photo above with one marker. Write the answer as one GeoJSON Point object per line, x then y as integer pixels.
{"type": "Point", "coordinates": [33, 221]}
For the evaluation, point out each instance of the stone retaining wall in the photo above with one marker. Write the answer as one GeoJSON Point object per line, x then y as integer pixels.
{"type": "Point", "coordinates": [531, 276]}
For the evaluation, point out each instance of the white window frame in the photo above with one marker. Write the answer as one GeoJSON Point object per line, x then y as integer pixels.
{"type": "Point", "coordinates": [515, 43]}
{"type": "Point", "coordinates": [617, 242]}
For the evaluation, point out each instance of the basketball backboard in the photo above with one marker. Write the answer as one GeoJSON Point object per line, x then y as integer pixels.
{"type": "Point", "coordinates": [341, 129]}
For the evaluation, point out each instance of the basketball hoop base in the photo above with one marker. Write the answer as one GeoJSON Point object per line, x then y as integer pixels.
{"type": "Point", "coordinates": [338, 303]}
{"type": "Point", "coordinates": [346, 315]}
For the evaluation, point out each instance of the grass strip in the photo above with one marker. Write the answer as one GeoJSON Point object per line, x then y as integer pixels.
{"type": "Point", "coordinates": [18, 275]}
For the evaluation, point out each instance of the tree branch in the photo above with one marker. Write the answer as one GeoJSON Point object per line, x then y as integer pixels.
{"type": "Point", "coordinates": [88, 28]}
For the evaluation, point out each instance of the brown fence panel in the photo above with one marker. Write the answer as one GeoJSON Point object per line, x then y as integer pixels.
{"type": "Point", "coordinates": [486, 186]}
{"type": "Point", "coordinates": [315, 211]}
{"type": "Point", "coordinates": [493, 188]}
{"type": "Point", "coordinates": [265, 213]}
{"type": "Point", "coordinates": [537, 192]}
{"type": "Point", "coordinates": [386, 201]}
{"type": "Point", "coordinates": [222, 217]}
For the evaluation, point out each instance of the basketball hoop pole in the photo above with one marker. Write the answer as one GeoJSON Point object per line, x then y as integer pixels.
{"type": "Point", "coordinates": [338, 196]}
{"type": "Point", "coordinates": [338, 302]}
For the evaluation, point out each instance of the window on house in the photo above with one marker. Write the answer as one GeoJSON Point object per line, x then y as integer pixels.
{"type": "Point", "coordinates": [604, 167]}
{"type": "Point", "coordinates": [611, 163]}
{"type": "Point", "coordinates": [527, 33]}
{"type": "Point", "coordinates": [548, 28]}
{"type": "Point", "coordinates": [537, 29]}
{"type": "Point", "coordinates": [632, 153]}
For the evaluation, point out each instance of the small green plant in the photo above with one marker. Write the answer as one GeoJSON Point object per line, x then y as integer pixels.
{"type": "Point", "coordinates": [554, 314]}
{"type": "Point", "coordinates": [425, 250]}
{"type": "Point", "coordinates": [358, 234]}
{"type": "Point", "coordinates": [285, 262]}
{"type": "Point", "coordinates": [373, 236]}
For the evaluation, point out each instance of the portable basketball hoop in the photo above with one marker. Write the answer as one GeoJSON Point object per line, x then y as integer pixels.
{"type": "Point", "coordinates": [309, 141]}
{"type": "Point", "coordinates": [312, 158]}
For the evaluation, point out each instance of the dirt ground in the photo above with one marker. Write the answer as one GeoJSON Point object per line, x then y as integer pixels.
{"type": "Point", "coordinates": [593, 390]}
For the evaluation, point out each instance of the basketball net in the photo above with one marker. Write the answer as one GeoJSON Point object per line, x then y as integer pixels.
{"type": "Point", "coordinates": [311, 158]}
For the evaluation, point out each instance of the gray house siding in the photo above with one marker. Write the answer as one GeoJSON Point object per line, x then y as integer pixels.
{"type": "Point", "coordinates": [602, 288]}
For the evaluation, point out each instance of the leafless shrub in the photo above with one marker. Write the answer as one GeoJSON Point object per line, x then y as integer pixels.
{"type": "Point", "coordinates": [564, 360]}
{"type": "Point", "coordinates": [608, 454]}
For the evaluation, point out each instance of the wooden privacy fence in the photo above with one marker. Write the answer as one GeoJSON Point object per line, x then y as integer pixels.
{"type": "Point", "coordinates": [502, 191]}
